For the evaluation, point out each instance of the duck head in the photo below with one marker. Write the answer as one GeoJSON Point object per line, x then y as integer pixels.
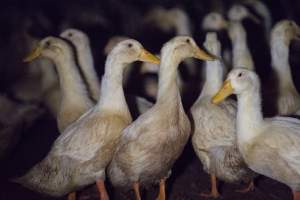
{"type": "Point", "coordinates": [183, 47]}
{"type": "Point", "coordinates": [51, 48]}
{"type": "Point", "coordinates": [285, 30]}
{"type": "Point", "coordinates": [214, 21]}
{"type": "Point", "coordinates": [130, 50]}
{"type": "Point", "coordinates": [238, 81]}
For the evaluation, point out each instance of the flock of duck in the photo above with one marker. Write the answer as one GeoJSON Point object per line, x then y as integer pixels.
{"type": "Point", "coordinates": [101, 140]}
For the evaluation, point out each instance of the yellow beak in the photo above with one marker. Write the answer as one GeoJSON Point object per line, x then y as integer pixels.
{"type": "Point", "coordinates": [224, 92]}
{"type": "Point", "coordinates": [146, 56]}
{"type": "Point", "coordinates": [35, 53]}
{"type": "Point", "coordinates": [202, 55]}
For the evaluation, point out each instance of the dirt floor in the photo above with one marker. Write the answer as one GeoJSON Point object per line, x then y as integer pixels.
{"type": "Point", "coordinates": [188, 179]}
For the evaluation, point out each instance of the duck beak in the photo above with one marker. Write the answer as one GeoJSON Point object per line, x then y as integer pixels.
{"type": "Point", "coordinates": [202, 55]}
{"type": "Point", "coordinates": [146, 56]}
{"type": "Point", "coordinates": [33, 55]}
{"type": "Point", "coordinates": [224, 92]}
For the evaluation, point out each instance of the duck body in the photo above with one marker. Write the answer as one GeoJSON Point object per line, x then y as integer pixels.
{"type": "Point", "coordinates": [152, 143]}
{"type": "Point", "coordinates": [278, 142]}
{"type": "Point", "coordinates": [150, 146]}
{"type": "Point", "coordinates": [79, 156]}
{"type": "Point", "coordinates": [81, 153]}
{"type": "Point", "coordinates": [269, 146]}
{"type": "Point", "coordinates": [214, 140]}
{"type": "Point", "coordinates": [214, 136]}
{"type": "Point", "coordinates": [288, 98]}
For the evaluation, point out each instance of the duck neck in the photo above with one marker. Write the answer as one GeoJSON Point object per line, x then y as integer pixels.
{"type": "Point", "coordinates": [249, 115]}
{"type": "Point", "coordinates": [280, 63]}
{"type": "Point", "coordinates": [182, 26]}
{"type": "Point", "coordinates": [241, 54]}
{"type": "Point", "coordinates": [167, 83]}
{"type": "Point", "coordinates": [86, 63]}
{"type": "Point", "coordinates": [71, 83]}
{"type": "Point", "coordinates": [214, 78]}
{"type": "Point", "coordinates": [112, 94]}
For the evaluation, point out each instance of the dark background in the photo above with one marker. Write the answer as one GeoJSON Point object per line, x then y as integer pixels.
{"type": "Point", "coordinates": [101, 20]}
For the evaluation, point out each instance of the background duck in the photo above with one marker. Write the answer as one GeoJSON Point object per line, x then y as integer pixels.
{"type": "Point", "coordinates": [214, 134]}
{"type": "Point", "coordinates": [287, 98]}
{"type": "Point", "coordinates": [269, 146]}
{"type": "Point", "coordinates": [85, 60]}
{"type": "Point", "coordinates": [74, 95]}
{"type": "Point", "coordinates": [238, 35]}
{"type": "Point", "coordinates": [152, 143]}
{"type": "Point", "coordinates": [80, 154]}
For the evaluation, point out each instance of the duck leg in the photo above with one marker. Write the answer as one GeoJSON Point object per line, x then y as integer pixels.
{"type": "Point", "coordinates": [102, 190]}
{"type": "Point", "coordinates": [249, 188]}
{"type": "Point", "coordinates": [136, 188]}
{"type": "Point", "coordinates": [162, 190]}
{"type": "Point", "coordinates": [296, 195]}
{"type": "Point", "coordinates": [72, 196]}
{"type": "Point", "coordinates": [214, 189]}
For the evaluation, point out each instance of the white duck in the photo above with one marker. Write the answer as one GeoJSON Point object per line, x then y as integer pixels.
{"type": "Point", "coordinates": [74, 96]}
{"type": "Point", "coordinates": [269, 146]}
{"type": "Point", "coordinates": [215, 21]}
{"type": "Point", "coordinates": [238, 35]}
{"type": "Point", "coordinates": [81, 153]}
{"type": "Point", "coordinates": [261, 8]}
{"type": "Point", "coordinates": [152, 143]}
{"type": "Point", "coordinates": [214, 141]}
{"type": "Point", "coordinates": [288, 99]}
{"type": "Point", "coordinates": [85, 59]}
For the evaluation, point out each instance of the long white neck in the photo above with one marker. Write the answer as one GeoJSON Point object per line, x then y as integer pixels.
{"type": "Point", "coordinates": [182, 25]}
{"type": "Point", "coordinates": [71, 83]}
{"type": "Point", "coordinates": [214, 78]}
{"type": "Point", "coordinates": [86, 63]}
{"type": "Point", "coordinates": [167, 84]}
{"type": "Point", "coordinates": [241, 53]}
{"type": "Point", "coordinates": [249, 115]}
{"type": "Point", "coordinates": [280, 63]}
{"type": "Point", "coordinates": [112, 93]}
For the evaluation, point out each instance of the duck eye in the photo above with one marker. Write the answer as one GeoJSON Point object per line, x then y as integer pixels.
{"type": "Point", "coordinates": [70, 34]}
{"type": "Point", "coordinates": [240, 74]}
{"type": "Point", "coordinates": [129, 45]}
{"type": "Point", "coordinates": [188, 41]}
{"type": "Point", "coordinates": [48, 44]}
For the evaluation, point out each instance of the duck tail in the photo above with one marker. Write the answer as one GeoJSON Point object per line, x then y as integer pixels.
{"type": "Point", "coordinates": [43, 178]}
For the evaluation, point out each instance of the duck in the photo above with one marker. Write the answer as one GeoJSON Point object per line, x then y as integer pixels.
{"type": "Point", "coordinates": [238, 35]}
{"type": "Point", "coordinates": [269, 146]}
{"type": "Point", "coordinates": [14, 118]}
{"type": "Point", "coordinates": [262, 9]}
{"type": "Point", "coordinates": [85, 59]}
{"type": "Point", "coordinates": [288, 99]}
{"type": "Point", "coordinates": [81, 153]}
{"type": "Point", "coordinates": [214, 141]}
{"type": "Point", "coordinates": [151, 144]}
{"type": "Point", "coordinates": [74, 95]}
{"type": "Point", "coordinates": [216, 22]}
